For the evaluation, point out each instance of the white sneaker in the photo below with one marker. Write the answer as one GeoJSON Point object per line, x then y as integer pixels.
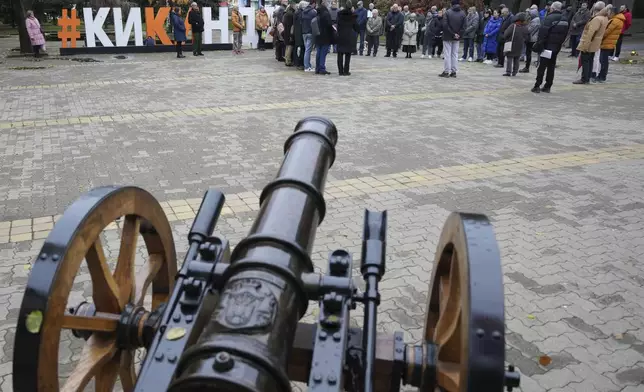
{"type": "Point", "coordinates": [308, 70]}
{"type": "Point", "coordinates": [460, 59]}
{"type": "Point", "coordinates": [470, 60]}
{"type": "Point", "coordinates": [429, 56]}
{"type": "Point", "coordinates": [422, 56]}
{"type": "Point", "coordinates": [615, 58]}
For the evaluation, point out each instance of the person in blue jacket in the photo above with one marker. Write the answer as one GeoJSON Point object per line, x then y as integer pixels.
{"type": "Point", "coordinates": [179, 28]}
{"type": "Point", "coordinates": [545, 11]}
{"type": "Point", "coordinates": [361, 16]}
{"type": "Point", "coordinates": [490, 34]}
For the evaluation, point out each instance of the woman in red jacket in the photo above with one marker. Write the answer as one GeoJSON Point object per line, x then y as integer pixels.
{"type": "Point", "coordinates": [627, 24]}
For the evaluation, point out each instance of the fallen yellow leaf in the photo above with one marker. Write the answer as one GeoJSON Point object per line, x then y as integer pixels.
{"type": "Point", "coordinates": [27, 267]}
{"type": "Point", "coordinates": [545, 360]}
{"type": "Point", "coordinates": [619, 336]}
{"type": "Point", "coordinates": [531, 317]}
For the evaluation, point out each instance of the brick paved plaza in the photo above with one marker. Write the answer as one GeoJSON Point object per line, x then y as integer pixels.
{"type": "Point", "coordinates": [559, 175]}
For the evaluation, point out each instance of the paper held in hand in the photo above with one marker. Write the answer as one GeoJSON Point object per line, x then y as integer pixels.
{"type": "Point", "coordinates": [546, 54]}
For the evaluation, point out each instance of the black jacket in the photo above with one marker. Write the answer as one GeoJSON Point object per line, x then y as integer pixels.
{"type": "Point", "coordinates": [347, 29]}
{"type": "Point", "coordinates": [507, 22]}
{"type": "Point", "coordinates": [553, 31]}
{"type": "Point", "coordinates": [289, 18]}
{"type": "Point", "coordinates": [325, 25]}
{"type": "Point", "coordinates": [297, 28]}
{"type": "Point", "coordinates": [436, 27]}
{"type": "Point", "coordinates": [196, 21]}
{"type": "Point", "coordinates": [394, 19]}
{"type": "Point", "coordinates": [453, 23]}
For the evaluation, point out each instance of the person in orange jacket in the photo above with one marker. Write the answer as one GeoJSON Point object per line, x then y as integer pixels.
{"type": "Point", "coordinates": [238, 28]}
{"type": "Point", "coordinates": [628, 21]}
{"type": "Point", "coordinates": [611, 35]}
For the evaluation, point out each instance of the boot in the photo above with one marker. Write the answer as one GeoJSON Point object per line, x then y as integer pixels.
{"type": "Point", "coordinates": [524, 70]}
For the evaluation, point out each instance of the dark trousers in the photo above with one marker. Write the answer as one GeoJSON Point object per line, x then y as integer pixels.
{"type": "Point", "coordinates": [373, 41]}
{"type": "Point", "coordinates": [392, 42]}
{"type": "Point", "coordinates": [618, 47]}
{"type": "Point", "coordinates": [468, 45]}
{"type": "Point", "coordinates": [499, 53]}
{"type": "Point", "coordinates": [344, 60]}
{"type": "Point", "coordinates": [36, 49]}
{"type": "Point", "coordinates": [280, 48]}
{"type": "Point", "coordinates": [546, 66]}
{"type": "Point", "coordinates": [574, 41]}
{"type": "Point", "coordinates": [260, 41]}
{"type": "Point", "coordinates": [586, 65]}
{"type": "Point", "coordinates": [362, 35]}
{"type": "Point", "coordinates": [603, 60]}
{"type": "Point", "coordinates": [512, 67]}
{"type": "Point", "coordinates": [420, 37]}
{"type": "Point", "coordinates": [437, 43]}
{"type": "Point", "coordinates": [177, 44]}
{"type": "Point", "coordinates": [298, 58]}
{"type": "Point", "coordinates": [489, 56]}
{"type": "Point", "coordinates": [196, 42]}
{"type": "Point", "coordinates": [528, 54]}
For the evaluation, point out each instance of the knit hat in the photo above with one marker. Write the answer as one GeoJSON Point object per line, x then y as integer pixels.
{"type": "Point", "coordinates": [521, 17]}
{"type": "Point", "coordinates": [456, 2]}
{"type": "Point", "coordinates": [348, 4]}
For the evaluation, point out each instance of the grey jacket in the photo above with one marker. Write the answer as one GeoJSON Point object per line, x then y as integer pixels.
{"type": "Point", "coordinates": [579, 21]}
{"type": "Point", "coordinates": [533, 26]}
{"type": "Point", "coordinates": [471, 25]}
{"type": "Point", "coordinates": [374, 26]}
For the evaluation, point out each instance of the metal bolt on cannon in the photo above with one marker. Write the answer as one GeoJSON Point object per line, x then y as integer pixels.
{"type": "Point", "coordinates": [230, 321]}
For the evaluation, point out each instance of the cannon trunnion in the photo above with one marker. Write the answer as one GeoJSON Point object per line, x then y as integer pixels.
{"type": "Point", "coordinates": [229, 321]}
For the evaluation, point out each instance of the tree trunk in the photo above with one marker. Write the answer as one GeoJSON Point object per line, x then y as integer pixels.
{"type": "Point", "coordinates": [20, 13]}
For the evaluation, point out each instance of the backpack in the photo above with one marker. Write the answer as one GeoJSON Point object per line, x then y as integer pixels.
{"type": "Point", "coordinates": [315, 28]}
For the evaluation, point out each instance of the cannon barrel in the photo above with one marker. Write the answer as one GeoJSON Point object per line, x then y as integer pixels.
{"type": "Point", "coordinates": [246, 344]}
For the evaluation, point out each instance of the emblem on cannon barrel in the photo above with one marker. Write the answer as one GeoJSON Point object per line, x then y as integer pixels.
{"type": "Point", "coordinates": [229, 322]}
{"type": "Point", "coordinates": [246, 304]}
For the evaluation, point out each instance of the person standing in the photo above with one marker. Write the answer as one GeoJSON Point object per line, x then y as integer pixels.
{"type": "Point", "coordinates": [324, 40]}
{"type": "Point", "coordinates": [394, 27]}
{"type": "Point", "coordinates": [196, 25]}
{"type": "Point", "coordinates": [579, 20]}
{"type": "Point", "coordinates": [611, 37]}
{"type": "Point", "coordinates": [278, 40]}
{"type": "Point", "coordinates": [409, 36]}
{"type": "Point", "coordinates": [590, 43]}
{"type": "Point", "coordinates": [471, 27]}
{"type": "Point", "coordinates": [628, 21]}
{"type": "Point", "coordinates": [374, 31]}
{"type": "Point", "coordinates": [179, 28]}
{"type": "Point", "coordinates": [347, 35]}
{"type": "Point", "coordinates": [426, 31]}
{"type": "Point", "coordinates": [333, 12]}
{"type": "Point", "coordinates": [491, 32]}
{"type": "Point", "coordinates": [453, 27]}
{"type": "Point", "coordinates": [238, 28]}
{"type": "Point", "coordinates": [533, 30]}
{"type": "Point", "coordinates": [298, 38]}
{"type": "Point", "coordinates": [289, 38]}
{"type": "Point", "coordinates": [552, 34]}
{"type": "Point", "coordinates": [437, 35]}
{"type": "Point", "coordinates": [480, 36]}
{"type": "Point", "coordinates": [361, 19]}
{"type": "Point", "coordinates": [420, 37]}
{"type": "Point", "coordinates": [261, 26]}
{"type": "Point", "coordinates": [544, 12]}
{"type": "Point", "coordinates": [307, 35]}
{"type": "Point", "coordinates": [35, 33]}
{"type": "Point", "coordinates": [517, 34]}
{"type": "Point", "coordinates": [506, 21]}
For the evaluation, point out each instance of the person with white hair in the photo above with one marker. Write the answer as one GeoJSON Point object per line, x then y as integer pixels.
{"type": "Point", "coordinates": [196, 26]}
{"type": "Point", "coordinates": [552, 34]}
{"type": "Point", "coordinates": [393, 28]}
{"type": "Point", "coordinates": [590, 42]}
{"type": "Point", "coordinates": [453, 27]}
{"type": "Point", "coordinates": [374, 31]}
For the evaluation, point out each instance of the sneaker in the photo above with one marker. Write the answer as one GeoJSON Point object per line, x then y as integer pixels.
{"type": "Point", "coordinates": [422, 56]}
{"type": "Point", "coordinates": [452, 75]}
{"type": "Point", "coordinates": [480, 61]}
{"type": "Point", "coordinates": [461, 59]}
{"type": "Point", "coordinates": [535, 90]}
{"type": "Point", "coordinates": [444, 75]}
{"type": "Point", "coordinates": [470, 60]}
{"type": "Point", "coordinates": [524, 70]}
{"type": "Point", "coordinates": [308, 70]}
{"type": "Point", "coordinates": [429, 56]}
{"type": "Point", "coordinates": [545, 90]}
{"type": "Point", "coordinates": [615, 58]}
{"type": "Point", "coordinates": [593, 80]}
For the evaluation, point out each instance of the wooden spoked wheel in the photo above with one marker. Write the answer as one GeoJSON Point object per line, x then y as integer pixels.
{"type": "Point", "coordinates": [465, 311]}
{"type": "Point", "coordinates": [77, 237]}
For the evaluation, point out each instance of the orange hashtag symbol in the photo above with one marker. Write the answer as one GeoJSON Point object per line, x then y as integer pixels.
{"type": "Point", "coordinates": [69, 29]}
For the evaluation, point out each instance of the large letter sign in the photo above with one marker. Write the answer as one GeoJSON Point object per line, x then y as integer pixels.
{"type": "Point", "coordinates": [154, 26]}
{"type": "Point", "coordinates": [122, 35]}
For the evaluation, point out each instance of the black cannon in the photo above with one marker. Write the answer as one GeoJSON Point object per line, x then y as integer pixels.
{"type": "Point", "coordinates": [229, 321]}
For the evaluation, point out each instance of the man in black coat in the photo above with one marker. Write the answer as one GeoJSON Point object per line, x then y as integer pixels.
{"type": "Point", "coordinates": [298, 56]}
{"type": "Point", "coordinates": [508, 20]}
{"type": "Point", "coordinates": [552, 34]}
{"type": "Point", "coordinates": [394, 28]}
{"type": "Point", "coordinates": [196, 24]}
{"type": "Point", "coordinates": [324, 40]}
{"type": "Point", "coordinates": [289, 39]}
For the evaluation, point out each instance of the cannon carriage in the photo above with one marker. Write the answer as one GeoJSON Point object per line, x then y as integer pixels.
{"type": "Point", "coordinates": [230, 321]}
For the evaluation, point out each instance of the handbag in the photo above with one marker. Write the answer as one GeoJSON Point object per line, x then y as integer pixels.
{"type": "Point", "coordinates": [507, 47]}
